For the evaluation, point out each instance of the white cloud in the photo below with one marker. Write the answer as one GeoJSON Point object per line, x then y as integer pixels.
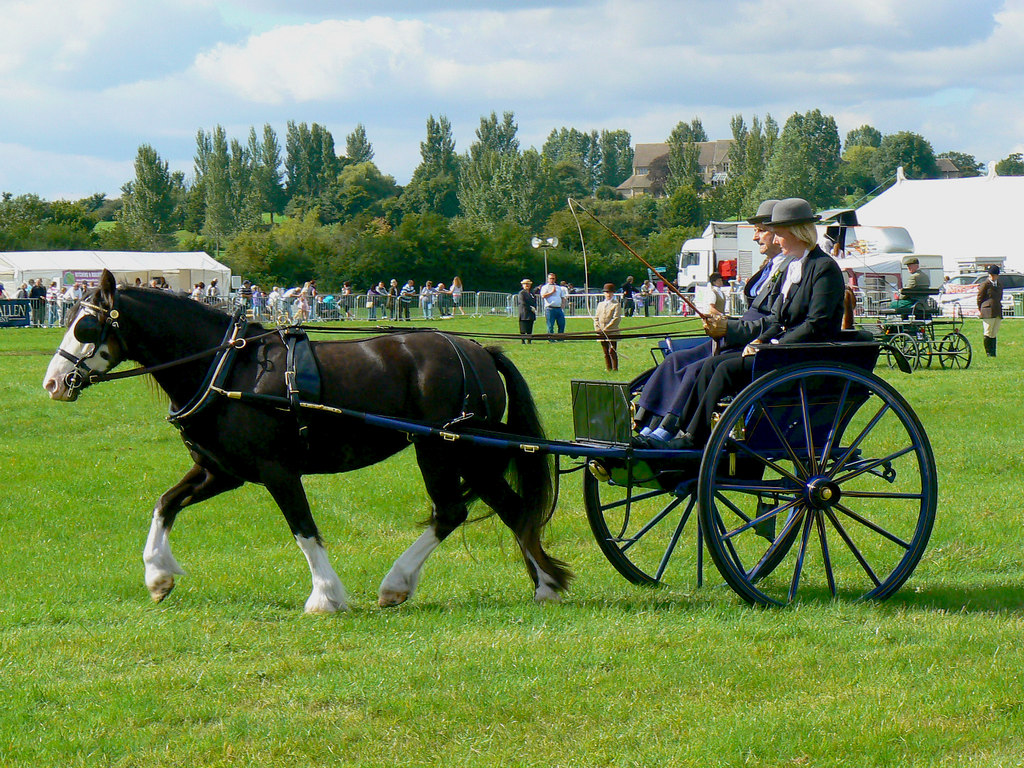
{"type": "Point", "coordinates": [81, 78]}
{"type": "Point", "coordinates": [329, 60]}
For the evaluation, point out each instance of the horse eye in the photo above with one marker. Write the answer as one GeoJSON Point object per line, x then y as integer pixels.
{"type": "Point", "coordinates": [88, 330]}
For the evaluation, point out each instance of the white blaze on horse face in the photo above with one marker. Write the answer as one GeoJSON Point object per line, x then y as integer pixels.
{"type": "Point", "coordinates": [55, 380]}
{"type": "Point", "coordinates": [328, 594]}
{"type": "Point", "coordinates": [400, 583]}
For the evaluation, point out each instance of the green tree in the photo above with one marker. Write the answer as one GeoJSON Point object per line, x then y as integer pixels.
{"type": "Point", "coordinates": [28, 223]}
{"type": "Point", "coordinates": [684, 155]}
{"type": "Point", "coordinates": [865, 136]}
{"type": "Point", "coordinates": [245, 199]}
{"type": "Point", "coordinates": [748, 159]}
{"type": "Point", "coordinates": [616, 157]}
{"type": "Point", "coordinates": [493, 183]}
{"type": "Point", "coordinates": [582, 149]}
{"type": "Point", "coordinates": [856, 173]}
{"type": "Point", "coordinates": [966, 164]}
{"type": "Point", "coordinates": [907, 149]}
{"type": "Point", "coordinates": [149, 201]}
{"type": "Point", "coordinates": [361, 189]}
{"type": "Point", "coordinates": [266, 155]}
{"type": "Point", "coordinates": [217, 223]}
{"type": "Point", "coordinates": [681, 209]}
{"type": "Point", "coordinates": [435, 182]}
{"type": "Point", "coordinates": [496, 137]}
{"type": "Point", "coordinates": [492, 189]}
{"type": "Point", "coordinates": [357, 147]}
{"type": "Point", "coordinates": [1012, 165]}
{"type": "Point", "coordinates": [311, 164]}
{"type": "Point", "coordinates": [804, 160]}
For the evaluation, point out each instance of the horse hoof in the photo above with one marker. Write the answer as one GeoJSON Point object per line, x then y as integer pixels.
{"type": "Point", "coordinates": [389, 599]}
{"type": "Point", "coordinates": [161, 588]}
{"type": "Point", "coordinates": [546, 594]}
{"type": "Point", "coordinates": [324, 605]}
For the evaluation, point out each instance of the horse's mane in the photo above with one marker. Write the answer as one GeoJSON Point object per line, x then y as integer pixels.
{"type": "Point", "coordinates": [169, 299]}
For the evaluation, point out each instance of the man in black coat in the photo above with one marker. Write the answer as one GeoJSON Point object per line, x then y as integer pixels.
{"type": "Point", "coordinates": [37, 293]}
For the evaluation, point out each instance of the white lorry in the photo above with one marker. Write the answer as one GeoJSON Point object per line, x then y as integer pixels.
{"type": "Point", "coordinates": [726, 247]}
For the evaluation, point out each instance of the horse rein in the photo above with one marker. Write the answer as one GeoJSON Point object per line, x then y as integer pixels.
{"type": "Point", "coordinates": [96, 333]}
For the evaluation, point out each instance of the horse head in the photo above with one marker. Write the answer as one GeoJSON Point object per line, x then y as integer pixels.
{"type": "Point", "coordinates": [92, 344]}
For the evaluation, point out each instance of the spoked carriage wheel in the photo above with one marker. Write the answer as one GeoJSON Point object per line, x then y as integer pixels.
{"type": "Point", "coordinates": [851, 515]}
{"type": "Point", "coordinates": [955, 351]}
{"type": "Point", "coordinates": [647, 529]}
{"type": "Point", "coordinates": [907, 346]}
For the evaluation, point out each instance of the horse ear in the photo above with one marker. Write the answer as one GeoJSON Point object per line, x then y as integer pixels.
{"type": "Point", "coordinates": [108, 286]}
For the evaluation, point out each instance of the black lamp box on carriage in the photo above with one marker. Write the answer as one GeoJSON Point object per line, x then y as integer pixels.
{"type": "Point", "coordinates": [601, 412]}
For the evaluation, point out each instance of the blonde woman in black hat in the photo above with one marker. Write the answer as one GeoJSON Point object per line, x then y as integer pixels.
{"type": "Point", "coordinates": [990, 307]}
{"type": "Point", "coordinates": [809, 308]}
{"type": "Point", "coordinates": [607, 318]}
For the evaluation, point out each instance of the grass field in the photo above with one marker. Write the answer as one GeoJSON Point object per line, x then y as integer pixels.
{"type": "Point", "coordinates": [228, 671]}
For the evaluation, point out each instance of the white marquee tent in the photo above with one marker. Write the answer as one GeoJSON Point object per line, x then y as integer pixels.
{"type": "Point", "coordinates": [961, 219]}
{"type": "Point", "coordinates": [181, 270]}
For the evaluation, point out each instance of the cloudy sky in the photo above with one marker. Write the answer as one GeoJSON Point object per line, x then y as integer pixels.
{"type": "Point", "coordinates": [84, 82]}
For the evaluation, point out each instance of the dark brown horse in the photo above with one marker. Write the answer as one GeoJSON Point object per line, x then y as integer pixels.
{"type": "Point", "coordinates": [424, 376]}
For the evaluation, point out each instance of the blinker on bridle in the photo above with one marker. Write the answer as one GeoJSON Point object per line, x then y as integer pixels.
{"type": "Point", "coordinates": [89, 329]}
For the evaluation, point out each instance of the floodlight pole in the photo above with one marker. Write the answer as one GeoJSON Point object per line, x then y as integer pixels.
{"type": "Point", "coordinates": [544, 243]}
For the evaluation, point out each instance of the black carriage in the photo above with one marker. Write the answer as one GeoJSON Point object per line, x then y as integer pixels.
{"type": "Point", "coordinates": [920, 333]}
{"type": "Point", "coordinates": [817, 479]}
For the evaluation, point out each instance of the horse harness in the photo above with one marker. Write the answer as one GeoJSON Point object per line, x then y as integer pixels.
{"type": "Point", "coordinates": [302, 379]}
{"type": "Point", "coordinates": [93, 328]}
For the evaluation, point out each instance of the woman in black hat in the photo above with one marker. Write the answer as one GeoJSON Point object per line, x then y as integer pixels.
{"type": "Point", "coordinates": [527, 304]}
{"type": "Point", "coordinates": [990, 307]}
{"type": "Point", "coordinates": [809, 309]}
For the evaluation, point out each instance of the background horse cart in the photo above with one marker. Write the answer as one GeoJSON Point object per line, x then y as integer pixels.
{"type": "Point", "coordinates": [921, 333]}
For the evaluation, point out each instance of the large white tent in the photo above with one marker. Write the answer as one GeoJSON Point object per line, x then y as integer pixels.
{"type": "Point", "coordinates": [961, 219]}
{"type": "Point", "coordinates": [181, 270]}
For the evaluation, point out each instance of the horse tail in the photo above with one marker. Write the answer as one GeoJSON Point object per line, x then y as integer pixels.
{"type": "Point", "coordinates": [531, 475]}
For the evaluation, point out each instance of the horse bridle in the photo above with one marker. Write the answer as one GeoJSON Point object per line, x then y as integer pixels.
{"type": "Point", "coordinates": [91, 329]}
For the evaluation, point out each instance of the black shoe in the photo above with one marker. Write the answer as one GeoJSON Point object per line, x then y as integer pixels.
{"type": "Point", "coordinates": [645, 441]}
{"type": "Point", "coordinates": [685, 440]}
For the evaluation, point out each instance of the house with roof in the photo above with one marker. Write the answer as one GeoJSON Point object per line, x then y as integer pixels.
{"type": "Point", "coordinates": [713, 159]}
{"type": "Point", "coordinates": [947, 168]}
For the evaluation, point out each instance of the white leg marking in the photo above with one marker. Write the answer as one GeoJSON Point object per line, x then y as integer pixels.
{"type": "Point", "coordinates": [546, 591]}
{"type": "Point", "coordinates": [328, 594]}
{"type": "Point", "coordinates": [400, 583]}
{"type": "Point", "coordinates": [161, 567]}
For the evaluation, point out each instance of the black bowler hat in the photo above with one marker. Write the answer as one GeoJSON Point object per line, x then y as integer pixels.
{"type": "Point", "coordinates": [792, 211]}
{"type": "Point", "coordinates": [993, 270]}
{"type": "Point", "coordinates": [764, 212]}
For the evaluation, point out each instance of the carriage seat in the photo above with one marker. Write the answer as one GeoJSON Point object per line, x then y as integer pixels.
{"type": "Point", "coordinates": [668, 345]}
{"type": "Point", "coordinates": [854, 347]}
